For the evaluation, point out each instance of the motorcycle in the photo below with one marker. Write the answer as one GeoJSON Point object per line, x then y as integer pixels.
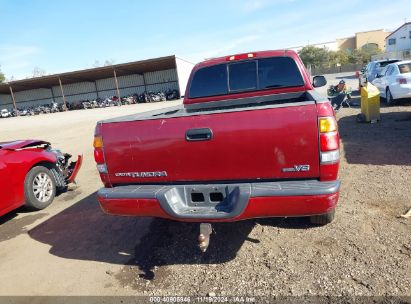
{"type": "Point", "coordinates": [15, 113]}
{"type": "Point", "coordinates": [116, 101]}
{"type": "Point", "coordinates": [172, 94]}
{"type": "Point", "coordinates": [54, 107]}
{"type": "Point", "coordinates": [86, 104]}
{"type": "Point", "coordinates": [62, 107]}
{"type": "Point", "coordinates": [5, 113]}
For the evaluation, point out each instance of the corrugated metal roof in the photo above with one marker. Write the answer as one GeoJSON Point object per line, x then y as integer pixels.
{"type": "Point", "coordinates": [136, 67]}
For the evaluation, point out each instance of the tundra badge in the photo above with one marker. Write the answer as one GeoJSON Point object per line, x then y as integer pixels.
{"type": "Point", "coordinates": [143, 174]}
{"type": "Point", "coordinates": [297, 168]}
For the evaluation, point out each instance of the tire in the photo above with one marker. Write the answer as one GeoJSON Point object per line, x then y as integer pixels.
{"type": "Point", "coordinates": [322, 219]}
{"type": "Point", "coordinates": [39, 188]}
{"type": "Point", "coordinates": [388, 98]}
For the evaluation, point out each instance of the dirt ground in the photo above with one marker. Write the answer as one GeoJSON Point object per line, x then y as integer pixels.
{"type": "Point", "coordinates": [73, 248]}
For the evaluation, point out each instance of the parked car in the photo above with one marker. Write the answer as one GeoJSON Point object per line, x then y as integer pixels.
{"type": "Point", "coordinates": [5, 113]}
{"type": "Point", "coordinates": [373, 68]}
{"type": "Point", "coordinates": [252, 139]}
{"type": "Point", "coordinates": [395, 83]}
{"type": "Point", "coordinates": [31, 173]}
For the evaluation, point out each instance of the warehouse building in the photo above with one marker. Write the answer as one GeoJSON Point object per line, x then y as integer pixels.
{"type": "Point", "coordinates": [159, 74]}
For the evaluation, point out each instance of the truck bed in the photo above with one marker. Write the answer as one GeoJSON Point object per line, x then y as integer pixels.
{"type": "Point", "coordinates": [231, 105]}
{"type": "Point", "coordinates": [154, 147]}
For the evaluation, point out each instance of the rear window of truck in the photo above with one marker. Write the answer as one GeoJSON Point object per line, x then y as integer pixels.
{"type": "Point", "coordinates": [242, 76]}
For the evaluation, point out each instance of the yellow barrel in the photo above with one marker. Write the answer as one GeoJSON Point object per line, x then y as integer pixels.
{"type": "Point", "coordinates": [370, 103]}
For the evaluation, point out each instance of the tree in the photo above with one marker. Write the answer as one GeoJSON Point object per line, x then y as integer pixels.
{"type": "Point", "coordinates": [96, 64]}
{"type": "Point", "coordinates": [2, 77]}
{"type": "Point", "coordinates": [314, 56]}
{"type": "Point", "coordinates": [38, 72]}
{"type": "Point", "coordinates": [362, 56]}
{"type": "Point", "coordinates": [321, 57]}
{"type": "Point", "coordinates": [339, 57]}
{"type": "Point", "coordinates": [108, 62]}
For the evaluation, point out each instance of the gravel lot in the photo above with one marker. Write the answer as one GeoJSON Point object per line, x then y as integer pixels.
{"type": "Point", "coordinates": [73, 248]}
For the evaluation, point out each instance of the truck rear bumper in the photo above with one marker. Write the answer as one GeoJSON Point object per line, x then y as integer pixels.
{"type": "Point", "coordinates": [221, 202]}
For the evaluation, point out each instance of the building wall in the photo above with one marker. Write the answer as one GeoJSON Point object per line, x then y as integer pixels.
{"type": "Point", "coordinates": [184, 69]}
{"type": "Point", "coordinates": [6, 102]}
{"type": "Point", "coordinates": [346, 44]}
{"type": "Point", "coordinates": [27, 98]}
{"type": "Point", "coordinates": [375, 37]}
{"type": "Point", "coordinates": [355, 42]}
{"type": "Point", "coordinates": [404, 55]}
{"type": "Point", "coordinates": [102, 88]}
{"type": "Point", "coordinates": [402, 39]}
{"type": "Point", "coordinates": [331, 46]}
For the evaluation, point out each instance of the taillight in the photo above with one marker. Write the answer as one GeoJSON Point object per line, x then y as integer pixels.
{"type": "Point", "coordinates": [329, 141]}
{"type": "Point", "coordinates": [240, 56]}
{"type": "Point", "coordinates": [329, 148]}
{"type": "Point", "coordinates": [330, 157]}
{"type": "Point", "coordinates": [402, 80]}
{"type": "Point", "coordinates": [102, 168]}
{"type": "Point", "coordinates": [98, 155]}
{"type": "Point", "coordinates": [98, 150]}
{"type": "Point", "coordinates": [98, 142]}
{"type": "Point", "coordinates": [327, 124]}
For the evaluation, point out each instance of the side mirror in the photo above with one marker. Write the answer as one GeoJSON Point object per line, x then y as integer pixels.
{"type": "Point", "coordinates": [319, 81]}
{"type": "Point", "coordinates": [362, 70]}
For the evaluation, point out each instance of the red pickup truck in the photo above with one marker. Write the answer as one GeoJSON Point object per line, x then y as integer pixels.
{"type": "Point", "coordinates": [252, 139]}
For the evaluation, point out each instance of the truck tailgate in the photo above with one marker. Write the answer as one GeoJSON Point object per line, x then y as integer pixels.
{"type": "Point", "coordinates": [261, 144]}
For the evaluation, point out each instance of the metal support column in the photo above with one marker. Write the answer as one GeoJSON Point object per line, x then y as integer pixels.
{"type": "Point", "coordinates": [144, 82]}
{"type": "Point", "coordinates": [116, 81]}
{"type": "Point", "coordinates": [52, 95]}
{"type": "Point", "coordinates": [95, 87]}
{"type": "Point", "coordinates": [12, 97]}
{"type": "Point", "coordinates": [62, 94]}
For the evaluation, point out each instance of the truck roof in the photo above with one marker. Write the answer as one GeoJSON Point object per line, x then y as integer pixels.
{"type": "Point", "coordinates": [259, 54]}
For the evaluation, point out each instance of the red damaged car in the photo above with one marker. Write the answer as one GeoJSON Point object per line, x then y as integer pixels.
{"type": "Point", "coordinates": [252, 139]}
{"type": "Point", "coordinates": [31, 173]}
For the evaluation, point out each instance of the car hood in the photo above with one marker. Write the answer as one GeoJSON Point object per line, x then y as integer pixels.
{"type": "Point", "coordinates": [20, 144]}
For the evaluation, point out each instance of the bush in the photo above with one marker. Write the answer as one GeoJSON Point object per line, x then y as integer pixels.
{"type": "Point", "coordinates": [322, 57]}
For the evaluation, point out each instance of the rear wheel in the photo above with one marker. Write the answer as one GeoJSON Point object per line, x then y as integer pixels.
{"type": "Point", "coordinates": [389, 99]}
{"type": "Point", "coordinates": [39, 188]}
{"type": "Point", "coordinates": [322, 219]}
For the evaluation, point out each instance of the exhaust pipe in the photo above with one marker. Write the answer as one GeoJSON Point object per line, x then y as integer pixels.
{"type": "Point", "coordinates": [204, 236]}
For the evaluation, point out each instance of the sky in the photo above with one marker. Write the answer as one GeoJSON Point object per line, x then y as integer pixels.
{"type": "Point", "coordinates": [66, 35]}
